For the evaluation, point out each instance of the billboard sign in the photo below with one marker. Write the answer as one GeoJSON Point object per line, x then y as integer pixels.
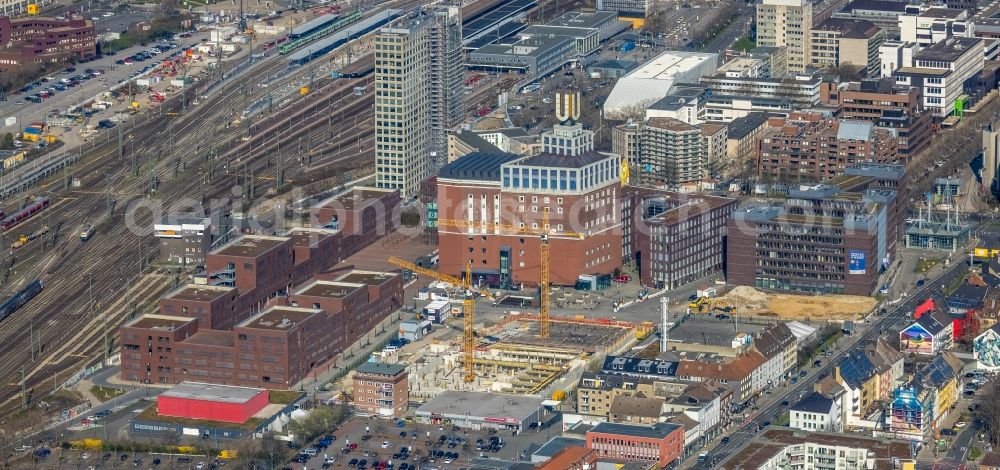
{"type": "Point", "coordinates": [857, 262]}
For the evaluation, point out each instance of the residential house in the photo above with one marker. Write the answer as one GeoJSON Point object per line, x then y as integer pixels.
{"type": "Point", "coordinates": [777, 343]}
{"type": "Point", "coordinates": [596, 392]}
{"type": "Point", "coordinates": [964, 305]}
{"type": "Point", "coordinates": [744, 374]}
{"type": "Point", "coordinates": [779, 448]}
{"type": "Point", "coordinates": [888, 364]}
{"type": "Point", "coordinates": [986, 349]}
{"type": "Point", "coordinates": [692, 434]}
{"type": "Point", "coordinates": [570, 458]}
{"type": "Point", "coordinates": [924, 403]}
{"type": "Point", "coordinates": [706, 404]}
{"type": "Point", "coordinates": [815, 412]}
{"type": "Point", "coordinates": [636, 409]}
{"type": "Point", "coordinates": [857, 374]}
{"type": "Point", "coordinates": [834, 390]}
{"type": "Point", "coordinates": [930, 334]}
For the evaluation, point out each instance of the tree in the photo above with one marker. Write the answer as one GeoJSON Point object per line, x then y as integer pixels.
{"type": "Point", "coordinates": [167, 7]}
{"type": "Point", "coordinates": [410, 217]}
{"type": "Point", "coordinates": [847, 72]}
{"type": "Point", "coordinates": [8, 141]}
{"type": "Point", "coordinates": [989, 410]}
{"type": "Point", "coordinates": [272, 451]}
{"type": "Point", "coordinates": [318, 421]}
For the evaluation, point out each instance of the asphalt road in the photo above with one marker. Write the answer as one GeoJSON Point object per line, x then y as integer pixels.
{"type": "Point", "coordinates": [735, 31]}
{"type": "Point", "coordinates": [772, 410]}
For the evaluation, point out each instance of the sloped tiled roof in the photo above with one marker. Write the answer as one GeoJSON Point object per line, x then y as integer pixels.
{"type": "Point", "coordinates": [773, 340]}
{"type": "Point", "coordinates": [936, 373]}
{"type": "Point", "coordinates": [856, 369]}
{"type": "Point", "coordinates": [814, 403]}
{"type": "Point", "coordinates": [934, 321]}
{"type": "Point", "coordinates": [882, 354]}
{"type": "Point", "coordinates": [624, 405]}
{"type": "Point", "coordinates": [736, 370]}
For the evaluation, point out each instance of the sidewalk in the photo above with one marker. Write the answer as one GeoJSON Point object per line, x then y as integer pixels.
{"type": "Point", "coordinates": [83, 388]}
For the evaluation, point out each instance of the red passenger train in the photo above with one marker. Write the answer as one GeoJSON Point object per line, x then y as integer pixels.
{"type": "Point", "coordinates": [35, 207]}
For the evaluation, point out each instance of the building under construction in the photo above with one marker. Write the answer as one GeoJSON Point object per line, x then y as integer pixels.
{"type": "Point", "coordinates": [511, 357]}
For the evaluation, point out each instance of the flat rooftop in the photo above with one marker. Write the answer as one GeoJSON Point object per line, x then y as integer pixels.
{"type": "Point", "coordinates": [478, 405]}
{"type": "Point", "coordinates": [330, 289]}
{"type": "Point", "coordinates": [775, 440]}
{"type": "Point", "coordinates": [670, 124]}
{"type": "Point", "coordinates": [563, 161]}
{"type": "Point", "coordinates": [355, 198]}
{"type": "Point", "coordinates": [670, 64]}
{"type": "Point", "coordinates": [279, 318]}
{"type": "Point", "coordinates": [370, 278]}
{"type": "Point", "coordinates": [309, 236]}
{"type": "Point", "coordinates": [656, 431]}
{"type": "Point", "coordinates": [159, 322]}
{"type": "Point", "coordinates": [212, 338]}
{"type": "Point", "coordinates": [691, 206]}
{"type": "Point", "coordinates": [250, 246]}
{"type": "Point", "coordinates": [210, 392]}
{"type": "Point", "coordinates": [380, 368]}
{"type": "Point", "coordinates": [200, 293]}
{"type": "Point", "coordinates": [949, 49]}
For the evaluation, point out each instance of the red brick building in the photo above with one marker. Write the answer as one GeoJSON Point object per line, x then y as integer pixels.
{"type": "Point", "coordinates": [661, 443]}
{"type": "Point", "coordinates": [381, 389]}
{"type": "Point", "coordinates": [267, 312]}
{"type": "Point", "coordinates": [275, 348]}
{"type": "Point", "coordinates": [889, 106]}
{"type": "Point", "coordinates": [809, 147]}
{"type": "Point", "coordinates": [501, 199]}
{"type": "Point", "coordinates": [674, 238]}
{"type": "Point", "coordinates": [36, 39]}
{"type": "Point", "coordinates": [361, 214]}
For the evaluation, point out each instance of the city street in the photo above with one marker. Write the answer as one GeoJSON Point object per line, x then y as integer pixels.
{"type": "Point", "coordinates": [770, 407]}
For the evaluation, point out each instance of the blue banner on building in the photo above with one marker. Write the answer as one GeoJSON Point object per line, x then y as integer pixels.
{"type": "Point", "coordinates": [857, 265]}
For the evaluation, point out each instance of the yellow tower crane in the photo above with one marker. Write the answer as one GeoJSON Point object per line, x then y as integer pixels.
{"type": "Point", "coordinates": [468, 308]}
{"type": "Point", "coordinates": [543, 233]}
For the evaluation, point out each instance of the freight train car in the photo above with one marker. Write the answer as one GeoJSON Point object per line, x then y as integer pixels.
{"type": "Point", "coordinates": [20, 298]}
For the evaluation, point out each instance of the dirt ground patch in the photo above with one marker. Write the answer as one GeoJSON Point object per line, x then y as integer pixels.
{"type": "Point", "coordinates": [750, 301]}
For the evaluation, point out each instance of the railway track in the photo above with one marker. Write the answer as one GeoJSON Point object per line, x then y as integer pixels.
{"type": "Point", "coordinates": [179, 151]}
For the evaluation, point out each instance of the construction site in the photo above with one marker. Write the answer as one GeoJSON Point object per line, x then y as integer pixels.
{"type": "Point", "coordinates": [531, 354]}
{"type": "Point", "coordinates": [511, 356]}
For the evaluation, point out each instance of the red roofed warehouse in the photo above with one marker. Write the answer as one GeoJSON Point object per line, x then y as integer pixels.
{"type": "Point", "coordinates": [212, 402]}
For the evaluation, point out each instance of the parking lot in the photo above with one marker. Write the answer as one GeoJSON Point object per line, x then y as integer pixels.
{"type": "Point", "coordinates": [425, 443]}
{"type": "Point", "coordinates": [57, 457]}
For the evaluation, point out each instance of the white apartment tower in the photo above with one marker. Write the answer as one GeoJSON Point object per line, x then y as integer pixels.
{"type": "Point", "coordinates": [418, 96]}
{"type": "Point", "coordinates": [788, 24]}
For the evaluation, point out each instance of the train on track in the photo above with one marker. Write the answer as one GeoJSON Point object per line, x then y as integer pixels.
{"type": "Point", "coordinates": [358, 69]}
{"type": "Point", "coordinates": [20, 298]}
{"type": "Point", "coordinates": [39, 204]}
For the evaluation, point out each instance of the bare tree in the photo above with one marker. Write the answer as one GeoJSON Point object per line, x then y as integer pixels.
{"type": "Point", "coordinates": [989, 410]}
